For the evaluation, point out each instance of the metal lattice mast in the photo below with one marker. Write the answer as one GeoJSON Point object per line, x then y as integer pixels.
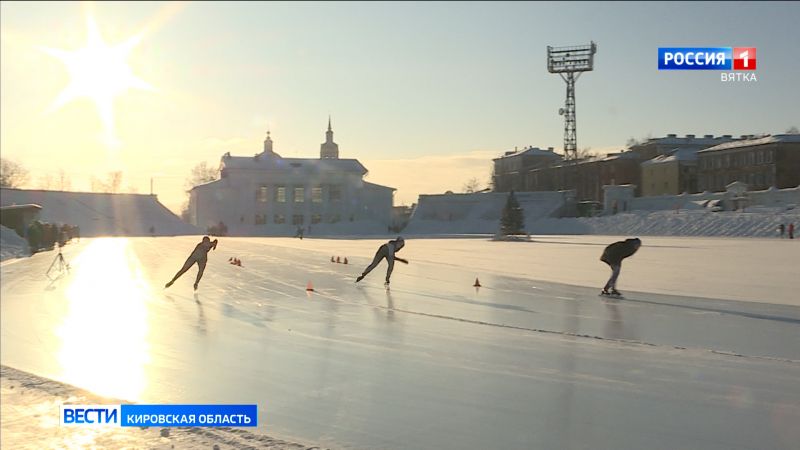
{"type": "Point", "coordinates": [570, 125]}
{"type": "Point", "coordinates": [569, 63]}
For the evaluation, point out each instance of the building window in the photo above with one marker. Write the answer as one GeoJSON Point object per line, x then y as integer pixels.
{"type": "Point", "coordinates": [759, 158]}
{"type": "Point", "coordinates": [768, 157]}
{"type": "Point", "coordinates": [280, 194]}
{"type": "Point", "coordinates": [261, 194]}
{"type": "Point", "coordinates": [299, 195]}
{"type": "Point", "coordinates": [261, 219]}
{"type": "Point", "coordinates": [316, 195]}
{"type": "Point", "coordinates": [316, 218]}
{"type": "Point", "coordinates": [336, 193]}
{"type": "Point", "coordinates": [297, 219]}
{"type": "Point", "coordinates": [279, 218]}
{"type": "Point", "coordinates": [333, 218]}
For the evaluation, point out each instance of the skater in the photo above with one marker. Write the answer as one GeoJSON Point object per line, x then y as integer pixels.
{"type": "Point", "coordinates": [200, 256]}
{"type": "Point", "coordinates": [387, 251]}
{"type": "Point", "coordinates": [781, 229]}
{"type": "Point", "coordinates": [791, 230]}
{"type": "Point", "coordinates": [613, 256]}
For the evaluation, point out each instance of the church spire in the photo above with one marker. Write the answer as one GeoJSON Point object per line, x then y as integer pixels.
{"type": "Point", "coordinates": [329, 150]}
{"type": "Point", "coordinates": [268, 144]}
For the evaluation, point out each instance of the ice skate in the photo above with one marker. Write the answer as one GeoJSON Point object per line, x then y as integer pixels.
{"type": "Point", "coordinates": [360, 277]}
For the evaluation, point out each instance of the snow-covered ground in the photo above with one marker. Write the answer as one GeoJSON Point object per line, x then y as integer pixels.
{"type": "Point", "coordinates": [754, 222]}
{"type": "Point", "coordinates": [533, 359]}
{"type": "Point", "coordinates": [27, 406]}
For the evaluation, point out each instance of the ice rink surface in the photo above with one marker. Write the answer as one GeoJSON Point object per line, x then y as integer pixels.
{"type": "Point", "coordinates": [522, 362]}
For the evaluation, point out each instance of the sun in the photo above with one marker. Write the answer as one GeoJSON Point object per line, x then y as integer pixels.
{"type": "Point", "coordinates": [100, 72]}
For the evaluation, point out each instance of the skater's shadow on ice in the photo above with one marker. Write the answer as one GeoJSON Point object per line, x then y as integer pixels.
{"type": "Point", "coordinates": [232, 312]}
{"type": "Point", "coordinates": [724, 311]}
{"type": "Point", "coordinates": [202, 327]}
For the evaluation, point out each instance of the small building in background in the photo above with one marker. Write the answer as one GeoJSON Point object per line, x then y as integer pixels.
{"type": "Point", "coordinates": [19, 217]}
{"type": "Point", "coordinates": [511, 169]}
{"type": "Point", "coordinates": [670, 174]}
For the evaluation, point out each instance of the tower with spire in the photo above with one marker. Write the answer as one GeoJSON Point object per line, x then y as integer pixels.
{"type": "Point", "coordinates": [330, 149]}
{"type": "Point", "coordinates": [268, 144]}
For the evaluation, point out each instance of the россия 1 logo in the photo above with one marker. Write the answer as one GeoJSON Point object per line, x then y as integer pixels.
{"type": "Point", "coordinates": [738, 63]}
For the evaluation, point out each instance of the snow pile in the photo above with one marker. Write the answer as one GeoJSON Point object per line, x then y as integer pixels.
{"type": "Point", "coordinates": [102, 214]}
{"type": "Point", "coordinates": [11, 245]}
{"type": "Point", "coordinates": [340, 229]}
{"type": "Point", "coordinates": [761, 222]}
{"type": "Point", "coordinates": [477, 213]}
{"type": "Point", "coordinates": [30, 406]}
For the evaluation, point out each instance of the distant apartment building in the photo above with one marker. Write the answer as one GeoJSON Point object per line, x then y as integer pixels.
{"type": "Point", "coordinates": [672, 142]}
{"type": "Point", "coordinates": [670, 174]}
{"type": "Point", "coordinates": [510, 170]}
{"type": "Point", "coordinates": [761, 163]}
{"type": "Point", "coordinates": [669, 164]}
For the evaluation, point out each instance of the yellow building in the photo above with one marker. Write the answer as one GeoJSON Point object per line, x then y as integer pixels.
{"type": "Point", "coordinates": [670, 174]}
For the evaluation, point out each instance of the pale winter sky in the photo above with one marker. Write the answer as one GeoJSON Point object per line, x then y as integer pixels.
{"type": "Point", "coordinates": [424, 94]}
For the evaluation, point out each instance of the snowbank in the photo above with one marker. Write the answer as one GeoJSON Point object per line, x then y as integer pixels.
{"type": "Point", "coordinates": [30, 408]}
{"type": "Point", "coordinates": [102, 214]}
{"type": "Point", "coordinates": [477, 213]}
{"type": "Point", "coordinates": [11, 245]}
{"type": "Point", "coordinates": [761, 222]}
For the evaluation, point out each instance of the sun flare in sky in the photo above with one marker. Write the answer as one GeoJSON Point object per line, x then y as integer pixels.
{"type": "Point", "coordinates": [100, 72]}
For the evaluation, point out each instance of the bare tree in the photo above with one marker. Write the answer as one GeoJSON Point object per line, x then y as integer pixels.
{"type": "Point", "coordinates": [201, 173]}
{"type": "Point", "coordinates": [64, 183]}
{"type": "Point", "coordinates": [12, 174]}
{"type": "Point", "coordinates": [586, 153]}
{"type": "Point", "coordinates": [111, 186]}
{"type": "Point", "coordinates": [472, 185]}
{"type": "Point", "coordinates": [46, 182]}
{"type": "Point", "coordinates": [793, 130]}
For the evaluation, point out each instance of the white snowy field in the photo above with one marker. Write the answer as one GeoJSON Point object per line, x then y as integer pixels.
{"type": "Point", "coordinates": [533, 359]}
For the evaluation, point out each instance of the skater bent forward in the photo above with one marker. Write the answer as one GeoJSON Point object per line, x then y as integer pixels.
{"type": "Point", "coordinates": [613, 256]}
{"type": "Point", "coordinates": [199, 256]}
{"type": "Point", "coordinates": [387, 251]}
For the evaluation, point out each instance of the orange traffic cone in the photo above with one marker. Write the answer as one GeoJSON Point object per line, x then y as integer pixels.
{"type": "Point", "coordinates": [345, 259]}
{"type": "Point", "coordinates": [332, 260]}
{"type": "Point", "coordinates": [477, 283]}
{"type": "Point", "coordinates": [338, 260]}
{"type": "Point", "coordinates": [310, 287]}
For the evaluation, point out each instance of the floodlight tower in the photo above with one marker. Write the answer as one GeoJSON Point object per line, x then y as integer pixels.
{"type": "Point", "coordinates": [570, 62]}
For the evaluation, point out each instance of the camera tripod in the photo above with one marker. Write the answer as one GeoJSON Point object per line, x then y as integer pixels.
{"type": "Point", "coordinates": [59, 264]}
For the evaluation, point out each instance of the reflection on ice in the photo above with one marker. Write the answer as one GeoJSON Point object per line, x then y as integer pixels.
{"type": "Point", "coordinates": [104, 335]}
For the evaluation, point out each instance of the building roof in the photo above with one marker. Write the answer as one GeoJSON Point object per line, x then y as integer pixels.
{"type": "Point", "coordinates": [377, 186]}
{"type": "Point", "coordinates": [309, 165]}
{"type": "Point", "coordinates": [773, 139]}
{"type": "Point", "coordinates": [530, 151]}
{"type": "Point", "coordinates": [26, 206]}
{"type": "Point", "coordinates": [206, 184]}
{"type": "Point", "coordinates": [688, 140]}
{"type": "Point", "coordinates": [678, 154]}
